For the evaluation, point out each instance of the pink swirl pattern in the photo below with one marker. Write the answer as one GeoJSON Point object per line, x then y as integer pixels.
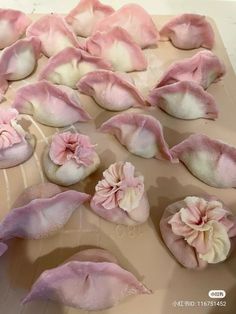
{"type": "Point", "coordinates": [204, 225]}
{"type": "Point", "coordinates": [120, 187]}
{"type": "Point", "coordinates": [71, 146]}
{"type": "Point", "coordinates": [8, 136]}
{"type": "Point", "coordinates": [8, 133]}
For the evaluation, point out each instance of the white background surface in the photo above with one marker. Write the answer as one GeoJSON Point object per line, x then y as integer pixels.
{"type": "Point", "coordinates": [223, 12]}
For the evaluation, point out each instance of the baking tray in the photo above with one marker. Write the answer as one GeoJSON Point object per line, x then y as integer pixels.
{"type": "Point", "coordinates": [139, 249]}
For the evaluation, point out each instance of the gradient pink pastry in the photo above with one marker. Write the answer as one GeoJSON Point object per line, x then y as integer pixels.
{"type": "Point", "coordinates": [86, 15]}
{"type": "Point", "coordinates": [211, 161]}
{"type": "Point", "coordinates": [118, 48]}
{"type": "Point", "coordinates": [91, 280]}
{"type": "Point", "coordinates": [203, 68]}
{"type": "Point", "coordinates": [189, 31]}
{"type": "Point", "coordinates": [54, 34]}
{"type": "Point", "coordinates": [120, 196]}
{"type": "Point", "coordinates": [184, 100]}
{"type": "Point", "coordinates": [70, 158]}
{"type": "Point", "coordinates": [40, 211]}
{"type": "Point", "coordinates": [16, 145]}
{"type": "Point", "coordinates": [111, 91]}
{"type": "Point", "coordinates": [136, 21]}
{"type": "Point", "coordinates": [198, 231]}
{"type": "Point", "coordinates": [13, 24]}
{"type": "Point", "coordinates": [18, 61]}
{"type": "Point", "coordinates": [69, 65]}
{"type": "Point", "coordinates": [141, 134]}
{"type": "Point", "coordinates": [56, 106]}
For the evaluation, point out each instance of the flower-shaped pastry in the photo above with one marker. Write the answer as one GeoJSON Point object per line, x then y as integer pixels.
{"type": "Point", "coordinates": [70, 158]}
{"type": "Point", "coordinates": [120, 196]}
{"type": "Point", "coordinates": [16, 146]}
{"type": "Point", "coordinates": [198, 230]}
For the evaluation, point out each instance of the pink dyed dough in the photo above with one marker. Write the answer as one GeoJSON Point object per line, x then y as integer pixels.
{"type": "Point", "coordinates": [54, 34]}
{"type": "Point", "coordinates": [120, 196]}
{"type": "Point", "coordinates": [141, 134]}
{"type": "Point", "coordinates": [203, 68]}
{"type": "Point", "coordinates": [40, 211]}
{"type": "Point", "coordinates": [118, 48]}
{"type": "Point", "coordinates": [68, 66]}
{"type": "Point", "coordinates": [18, 61]}
{"type": "Point", "coordinates": [189, 31]}
{"type": "Point", "coordinates": [70, 158]}
{"type": "Point", "coordinates": [16, 145]}
{"type": "Point", "coordinates": [211, 161]}
{"type": "Point", "coordinates": [52, 105]}
{"type": "Point", "coordinates": [89, 280]}
{"type": "Point", "coordinates": [12, 26]}
{"type": "Point", "coordinates": [184, 100]}
{"type": "Point", "coordinates": [86, 15]}
{"type": "Point", "coordinates": [185, 253]}
{"type": "Point", "coordinates": [136, 21]}
{"type": "Point", "coordinates": [110, 90]}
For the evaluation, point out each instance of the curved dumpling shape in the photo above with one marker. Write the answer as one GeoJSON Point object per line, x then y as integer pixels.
{"type": "Point", "coordinates": [13, 24]}
{"type": "Point", "coordinates": [89, 280]}
{"type": "Point", "coordinates": [211, 161]}
{"type": "Point", "coordinates": [184, 100]}
{"type": "Point", "coordinates": [16, 145]}
{"type": "Point", "coordinates": [85, 16]}
{"type": "Point", "coordinates": [118, 48]}
{"type": "Point", "coordinates": [136, 21]}
{"type": "Point", "coordinates": [189, 31]}
{"type": "Point", "coordinates": [110, 90]}
{"type": "Point", "coordinates": [54, 34]}
{"type": "Point", "coordinates": [56, 106]}
{"type": "Point", "coordinates": [141, 134]}
{"type": "Point", "coordinates": [120, 196]}
{"type": "Point", "coordinates": [18, 61]}
{"type": "Point", "coordinates": [70, 158]}
{"type": "Point", "coordinates": [198, 231]}
{"type": "Point", "coordinates": [40, 211]}
{"type": "Point", "coordinates": [69, 65]}
{"type": "Point", "coordinates": [203, 68]}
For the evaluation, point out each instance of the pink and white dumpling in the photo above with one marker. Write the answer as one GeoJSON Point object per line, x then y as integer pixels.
{"type": "Point", "coordinates": [120, 196]}
{"type": "Point", "coordinates": [54, 34]}
{"type": "Point", "coordinates": [40, 211]}
{"type": "Point", "coordinates": [86, 15]}
{"type": "Point", "coordinates": [70, 158]}
{"type": "Point", "coordinates": [16, 145]}
{"type": "Point", "coordinates": [203, 68]}
{"type": "Point", "coordinates": [13, 24]}
{"type": "Point", "coordinates": [118, 48]}
{"type": "Point", "coordinates": [68, 66]}
{"type": "Point", "coordinates": [110, 90]}
{"type": "Point", "coordinates": [90, 280]}
{"type": "Point", "coordinates": [184, 100]}
{"type": "Point", "coordinates": [18, 61]}
{"type": "Point", "coordinates": [136, 21]}
{"type": "Point", "coordinates": [141, 134]}
{"type": "Point", "coordinates": [198, 231]}
{"type": "Point", "coordinates": [189, 31]}
{"type": "Point", "coordinates": [211, 161]}
{"type": "Point", "coordinates": [56, 106]}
